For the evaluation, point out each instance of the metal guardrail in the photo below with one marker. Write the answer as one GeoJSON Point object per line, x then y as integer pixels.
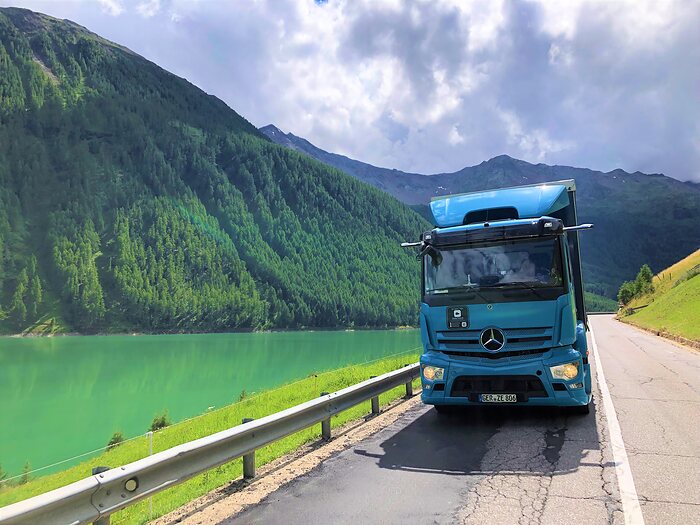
{"type": "Point", "coordinates": [635, 308]}
{"type": "Point", "coordinates": [97, 497]}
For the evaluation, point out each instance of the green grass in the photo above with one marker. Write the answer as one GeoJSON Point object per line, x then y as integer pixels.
{"type": "Point", "coordinates": [674, 305]}
{"type": "Point", "coordinates": [46, 325]}
{"type": "Point", "coordinates": [258, 406]}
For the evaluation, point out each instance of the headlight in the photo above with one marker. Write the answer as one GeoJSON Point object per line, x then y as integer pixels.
{"type": "Point", "coordinates": [566, 371]}
{"type": "Point", "coordinates": [433, 373]}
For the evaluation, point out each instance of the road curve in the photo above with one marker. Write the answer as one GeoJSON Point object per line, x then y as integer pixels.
{"type": "Point", "coordinates": [497, 465]}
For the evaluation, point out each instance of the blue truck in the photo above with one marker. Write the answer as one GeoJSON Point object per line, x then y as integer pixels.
{"type": "Point", "coordinates": [502, 314]}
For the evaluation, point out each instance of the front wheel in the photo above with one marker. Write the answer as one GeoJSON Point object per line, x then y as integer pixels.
{"type": "Point", "coordinates": [443, 409]}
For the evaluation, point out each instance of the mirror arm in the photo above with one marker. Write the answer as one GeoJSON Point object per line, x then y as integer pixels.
{"type": "Point", "coordinates": [578, 228]}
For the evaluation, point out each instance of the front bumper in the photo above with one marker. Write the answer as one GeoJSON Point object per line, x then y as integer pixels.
{"type": "Point", "coordinates": [530, 380]}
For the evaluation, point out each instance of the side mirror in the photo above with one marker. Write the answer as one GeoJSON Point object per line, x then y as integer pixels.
{"type": "Point", "coordinates": [434, 254]}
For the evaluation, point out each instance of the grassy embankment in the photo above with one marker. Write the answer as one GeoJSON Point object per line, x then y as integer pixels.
{"type": "Point", "coordinates": [257, 406]}
{"type": "Point", "coordinates": [674, 304]}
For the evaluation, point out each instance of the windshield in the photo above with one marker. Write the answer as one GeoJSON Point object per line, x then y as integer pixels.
{"type": "Point", "coordinates": [528, 264]}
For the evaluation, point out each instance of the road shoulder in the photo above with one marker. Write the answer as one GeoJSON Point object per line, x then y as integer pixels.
{"type": "Point", "coordinates": [228, 501]}
{"type": "Point", "coordinates": [655, 386]}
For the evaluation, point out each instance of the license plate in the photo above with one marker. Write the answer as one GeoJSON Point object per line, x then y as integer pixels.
{"type": "Point", "coordinates": [498, 398]}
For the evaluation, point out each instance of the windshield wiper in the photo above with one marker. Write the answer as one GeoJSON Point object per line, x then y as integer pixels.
{"type": "Point", "coordinates": [466, 288]}
{"type": "Point", "coordinates": [521, 285]}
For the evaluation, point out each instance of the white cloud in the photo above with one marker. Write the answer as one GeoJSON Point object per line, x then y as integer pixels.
{"type": "Point", "coordinates": [433, 85]}
{"type": "Point", "coordinates": [112, 7]}
{"type": "Point", "coordinates": [454, 136]}
{"type": "Point", "coordinates": [149, 8]}
{"type": "Point", "coordinates": [535, 144]}
{"type": "Point", "coordinates": [559, 55]}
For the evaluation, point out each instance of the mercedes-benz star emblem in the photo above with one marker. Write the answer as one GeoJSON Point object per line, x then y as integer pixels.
{"type": "Point", "coordinates": [492, 339]}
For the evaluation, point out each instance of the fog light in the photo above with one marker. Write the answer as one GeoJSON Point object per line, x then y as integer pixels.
{"type": "Point", "coordinates": [576, 385]}
{"type": "Point", "coordinates": [566, 371]}
{"type": "Point", "coordinates": [433, 373]}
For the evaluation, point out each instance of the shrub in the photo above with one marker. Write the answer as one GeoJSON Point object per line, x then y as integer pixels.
{"type": "Point", "coordinates": [640, 286]}
{"type": "Point", "coordinates": [627, 291]}
{"type": "Point", "coordinates": [695, 270]}
{"type": "Point", "coordinates": [160, 421]}
{"type": "Point", "coordinates": [115, 440]}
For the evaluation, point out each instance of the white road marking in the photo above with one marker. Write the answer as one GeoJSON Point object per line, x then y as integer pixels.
{"type": "Point", "coordinates": [628, 493]}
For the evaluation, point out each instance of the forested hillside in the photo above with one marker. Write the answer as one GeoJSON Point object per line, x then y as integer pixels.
{"type": "Point", "coordinates": [639, 218]}
{"type": "Point", "coordinates": [131, 200]}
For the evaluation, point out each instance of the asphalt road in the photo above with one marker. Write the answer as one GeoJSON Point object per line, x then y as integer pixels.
{"type": "Point", "coordinates": [497, 465]}
{"type": "Point", "coordinates": [655, 387]}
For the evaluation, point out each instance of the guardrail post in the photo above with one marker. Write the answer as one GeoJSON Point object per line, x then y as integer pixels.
{"type": "Point", "coordinates": [375, 405]}
{"type": "Point", "coordinates": [375, 402]}
{"type": "Point", "coordinates": [105, 520]}
{"type": "Point", "coordinates": [325, 424]}
{"type": "Point", "coordinates": [248, 459]}
{"type": "Point", "coordinates": [150, 453]}
{"type": "Point", "coordinates": [409, 386]}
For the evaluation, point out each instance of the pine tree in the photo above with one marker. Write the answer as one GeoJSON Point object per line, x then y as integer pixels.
{"type": "Point", "coordinates": [26, 469]}
{"type": "Point", "coordinates": [136, 201]}
{"type": "Point", "coordinates": [643, 281]}
{"type": "Point", "coordinates": [17, 306]}
{"type": "Point", "coordinates": [34, 293]}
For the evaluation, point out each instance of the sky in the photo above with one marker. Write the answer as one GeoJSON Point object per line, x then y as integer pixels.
{"type": "Point", "coordinates": [433, 86]}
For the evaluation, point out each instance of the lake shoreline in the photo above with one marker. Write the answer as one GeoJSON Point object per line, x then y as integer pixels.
{"type": "Point", "coordinates": [241, 331]}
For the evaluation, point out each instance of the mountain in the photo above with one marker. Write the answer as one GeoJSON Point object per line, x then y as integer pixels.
{"type": "Point", "coordinates": [639, 218]}
{"type": "Point", "coordinates": [411, 188]}
{"type": "Point", "coordinates": [132, 200]}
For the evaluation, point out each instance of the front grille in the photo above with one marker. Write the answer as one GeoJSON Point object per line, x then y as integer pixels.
{"type": "Point", "coordinates": [517, 339]}
{"type": "Point", "coordinates": [495, 355]}
{"type": "Point", "coordinates": [525, 386]}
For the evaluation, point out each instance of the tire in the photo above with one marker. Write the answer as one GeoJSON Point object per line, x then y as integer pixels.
{"type": "Point", "coordinates": [442, 409]}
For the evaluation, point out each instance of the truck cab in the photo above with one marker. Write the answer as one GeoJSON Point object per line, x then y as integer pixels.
{"type": "Point", "coordinates": [502, 314]}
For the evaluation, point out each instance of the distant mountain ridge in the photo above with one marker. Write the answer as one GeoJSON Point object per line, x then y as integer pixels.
{"type": "Point", "coordinates": [640, 218]}
{"type": "Point", "coordinates": [382, 178]}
